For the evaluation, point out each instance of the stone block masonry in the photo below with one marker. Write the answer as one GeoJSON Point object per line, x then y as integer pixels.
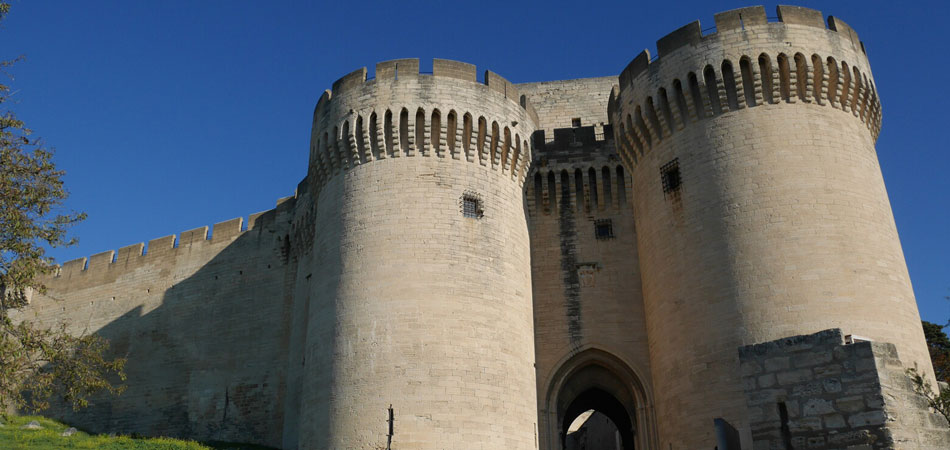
{"type": "Point", "coordinates": [815, 392]}
{"type": "Point", "coordinates": [496, 259]}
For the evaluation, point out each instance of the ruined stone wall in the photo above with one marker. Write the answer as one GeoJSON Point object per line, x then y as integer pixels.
{"type": "Point", "coordinates": [202, 321]}
{"type": "Point", "coordinates": [586, 287]}
{"type": "Point", "coordinates": [759, 204]}
{"type": "Point", "coordinates": [815, 392]}
{"type": "Point", "coordinates": [418, 302]}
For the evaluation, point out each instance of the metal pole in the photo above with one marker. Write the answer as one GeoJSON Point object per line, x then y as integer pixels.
{"type": "Point", "coordinates": [389, 436]}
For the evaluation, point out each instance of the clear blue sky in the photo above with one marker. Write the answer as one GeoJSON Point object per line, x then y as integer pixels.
{"type": "Point", "coordinates": [169, 115]}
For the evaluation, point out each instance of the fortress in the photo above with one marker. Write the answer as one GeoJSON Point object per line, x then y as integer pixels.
{"type": "Point", "coordinates": [700, 250]}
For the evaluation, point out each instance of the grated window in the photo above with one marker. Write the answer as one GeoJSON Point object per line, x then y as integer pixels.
{"type": "Point", "coordinates": [471, 205]}
{"type": "Point", "coordinates": [603, 229]}
{"type": "Point", "coordinates": [670, 175]}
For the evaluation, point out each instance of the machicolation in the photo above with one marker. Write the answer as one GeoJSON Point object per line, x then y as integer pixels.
{"type": "Point", "coordinates": [664, 259]}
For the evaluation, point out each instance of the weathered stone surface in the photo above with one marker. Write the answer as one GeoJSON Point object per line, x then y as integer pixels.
{"type": "Point", "coordinates": [468, 253]}
{"type": "Point", "coordinates": [843, 408]}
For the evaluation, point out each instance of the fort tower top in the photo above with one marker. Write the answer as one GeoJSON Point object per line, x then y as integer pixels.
{"type": "Point", "coordinates": [402, 112]}
{"type": "Point", "coordinates": [759, 204]}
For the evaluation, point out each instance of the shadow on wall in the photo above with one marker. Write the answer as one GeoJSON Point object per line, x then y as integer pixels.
{"type": "Point", "coordinates": [213, 361]}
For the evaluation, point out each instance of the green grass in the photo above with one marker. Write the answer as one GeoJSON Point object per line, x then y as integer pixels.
{"type": "Point", "coordinates": [12, 437]}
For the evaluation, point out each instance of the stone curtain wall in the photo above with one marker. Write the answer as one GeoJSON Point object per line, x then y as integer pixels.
{"type": "Point", "coordinates": [203, 324]}
{"type": "Point", "coordinates": [815, 392]}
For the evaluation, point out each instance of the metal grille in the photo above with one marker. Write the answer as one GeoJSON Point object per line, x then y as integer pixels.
{"type": "Point", "coordinates": [670, 175]}
{"type": "Point", "coordinates": [603, 229]}
{"type": "Point", "coordinates": [471, 205]}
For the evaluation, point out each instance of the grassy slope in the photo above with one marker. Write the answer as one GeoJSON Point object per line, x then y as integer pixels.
{"type": "Point", "coordinates": [14, 438]}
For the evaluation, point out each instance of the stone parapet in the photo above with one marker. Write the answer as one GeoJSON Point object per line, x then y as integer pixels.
{"type": "Point", "coordinates": [747, 62]}
{"type": "Point", "coordinates": [404, 113]}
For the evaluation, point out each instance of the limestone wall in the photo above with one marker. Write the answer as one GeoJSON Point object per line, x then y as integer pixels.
{"type": "Point", "coordinates": [558, 103]}
{"type": "Point", "coordinates": [815, 392]}
{"type": "Point", "coordinates": [202, 321]}
{"type": "Point", "coordinates": [417, 302]}
{"type": "Point", "coordinates": [762, 213]}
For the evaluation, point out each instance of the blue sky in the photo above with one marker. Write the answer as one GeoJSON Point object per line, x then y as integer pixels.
{"type": "Point", "coordinates": [171, 115]}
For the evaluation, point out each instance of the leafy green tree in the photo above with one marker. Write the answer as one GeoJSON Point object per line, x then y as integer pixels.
{"type": "Point", "coordinates": [37, 363]}
{"type": "Point", "coordinates": [939, 345]}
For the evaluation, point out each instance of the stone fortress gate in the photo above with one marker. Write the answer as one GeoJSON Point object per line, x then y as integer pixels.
{"type": "Point", "coordinates": [697, 254]}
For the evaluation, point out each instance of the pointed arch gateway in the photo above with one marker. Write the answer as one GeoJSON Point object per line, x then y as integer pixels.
{"type": "Point", "coordinates": [594, 379]}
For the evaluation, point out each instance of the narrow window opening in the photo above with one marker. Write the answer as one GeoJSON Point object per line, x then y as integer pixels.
{"type": "Point", "coordinates": [404, 131]}
{"type": "Point", "coordinates": [480, 140]}
{"type": "Point", "coordinates": [670, 176]}
{"type": "Point", "coordinates": [451, 130]}
{"type": "Point", "coordinates": [373, 135]}
{"type": "Point", "coordinates": [654, 120]}
{"type": "Point", "coordinates": [471, 205]}
{"type": "Point", "coordinates": [784, 78]}
{"type": "Point", "coordinates": [516, 158]}
{"type": "Point", "coordinates": [388, 132]}
{"type": "Point", "coordinates": [681, 101]}
{"type": "Point", "coordinates": [575, 122]}
{"type": "Point", "coordinates": [608, 195]}
{"type": "Point", "coordinates": [665, 109]}
{"type": "Point", "coordinates": [748, 82]}
{"type": "Point", "coordinates": [801, 77]}
{"type": "Point", "coordinates": [729, 80]}
{"type": "Point", "coordinates": [832, 80]}
{"type": "Point", "coordinates": [845, 84]}
{"type": "Point", "coordinates": [621, 186]}
{"type": "Point", "coordinates": [856, 83]}
{"type": "Point", "coordinates": [493, 144]}
{"type": "Point", "coordinates": [505, 148]}
{"type": "Point", "coordinates": [642, 125]}
{"type": "Point", "coordinates": [360, 134]}
{"type": "Point", "coordinates": [565, 191]}
{"type": "Point", "coordinates": [592, 179]}
{"type": "Point", "coordinates": [538, 192]}
{"type": "Point", "coordinates": [436, 132]}
{"type": "Point", "coordinates": [765, 72]}
{"type": "Point", "coordinates": [697, 96]}
{"type": "Point", "coordinates": [346, 141]}
{"type": "Point", "coordinates": [712, 89]}
{"type": "Point", "coordinates": [603, 229]}
{"type": "Point", "coordinates": [467, 134]}
{"type": "Point", "coordinates": [817, 77]}
{"type": "Point", "coordinates": [420, 138]}
{"type": "Point", "coordinates": [578, 188]}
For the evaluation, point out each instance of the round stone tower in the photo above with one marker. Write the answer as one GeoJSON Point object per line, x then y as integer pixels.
{"type": "Point", "coordinates": [420, 294]}
{"type": "Point", "coordinates": [759, 204]}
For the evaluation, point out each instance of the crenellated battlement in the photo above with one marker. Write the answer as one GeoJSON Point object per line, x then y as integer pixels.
{"type": "Point", "coordinates": [136, 255]}
{"type": "Point", "coordinates": [747, 62]}
{"type": "Point", "coordinates": [404, 113]}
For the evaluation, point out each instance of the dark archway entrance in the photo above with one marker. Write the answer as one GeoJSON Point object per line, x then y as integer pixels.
{"type": "Point", "coordinates": [598, 386]}
{"type": "Point", "coordinates": [600, 401]}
